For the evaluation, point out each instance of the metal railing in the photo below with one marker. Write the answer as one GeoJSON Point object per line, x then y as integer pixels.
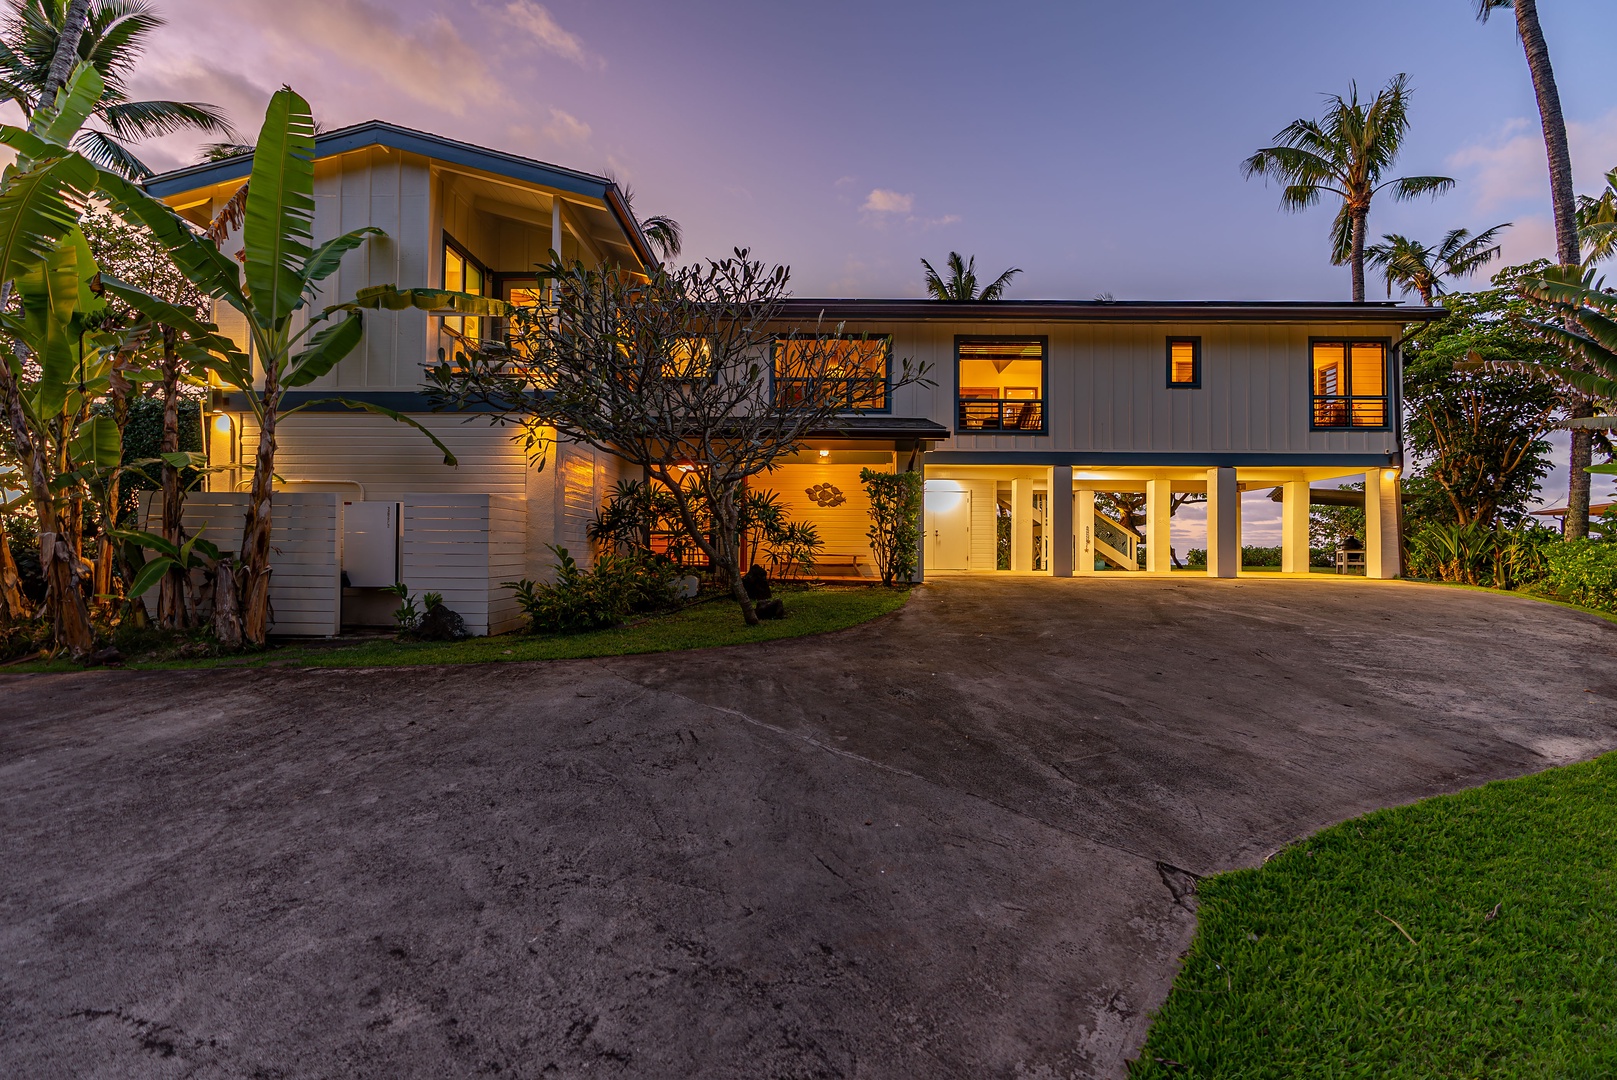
{"type": "Point", "coordinates": [1342, 411]}
{"type": "Point", "coordinates": [857, 392]}
{"type": "Point", "coordinates": [1001, 414]}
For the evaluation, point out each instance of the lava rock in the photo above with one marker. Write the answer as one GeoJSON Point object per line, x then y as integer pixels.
{"type": "Point", "coordinates": [109, 655]}
{"type": "Point", "coordinates": [770, 609]}
{"type": "Point", "coordinates": [756, 582]}
{"type": "Point", "coordinates": [441, 624]}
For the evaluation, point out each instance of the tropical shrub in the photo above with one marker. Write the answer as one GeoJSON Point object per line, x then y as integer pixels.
{"type": "Point", "coordinates": [1582, 572]}
{"type": "Point", "coordinates": [794, 548]}
{"type": "Point", "coordinates": [1475, 554]}
{"type": "Point", "coordinates": [895, 528]}
{"type": "Point", "coordinates": [581, 600]}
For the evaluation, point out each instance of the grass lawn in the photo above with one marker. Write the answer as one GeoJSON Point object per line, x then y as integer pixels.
{"type": "Point", "coordinates": [1508, 897]}
{"type": "Point", "coordinates": [717, 622]}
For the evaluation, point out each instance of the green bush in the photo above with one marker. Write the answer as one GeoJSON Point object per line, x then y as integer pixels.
{"type": "Point", "coordinates": [895, 521]}
{"type": "Point", "coordinates": [1476, 554]}
{"type": "Point", "coordinates": [1581, 572]}
{"type": "Point", "coordinates": [582, 600]}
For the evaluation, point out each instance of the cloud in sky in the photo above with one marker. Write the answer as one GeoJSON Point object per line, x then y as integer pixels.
{"type": "Point", "coordinates": [540, 25]}
{"type": "Point", "coordinates": [1510, 166]}
{"type": "Point", "coordinates": [886, 201]}
{"type": "Point", "coordinates": [567, 129]}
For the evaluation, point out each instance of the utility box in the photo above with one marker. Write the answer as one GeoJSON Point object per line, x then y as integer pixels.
{"type": "Point", "coordinates": [370, 549]}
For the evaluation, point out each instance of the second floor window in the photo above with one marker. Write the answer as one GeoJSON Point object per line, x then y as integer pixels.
{"type": "Point", "coordinates": [851, 369]}
{"type": "Point", "coordinates": [1001, 384]}
{"type": "Point", "coordinates": [1350, 384]}
{"type": "Point", "coordinates": [1184, 363]}
{"type": "Point", "coordinates": [462, 273]}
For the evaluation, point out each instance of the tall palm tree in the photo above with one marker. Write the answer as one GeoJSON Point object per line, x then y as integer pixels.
{"type": "Point", "coordinates": [661, 231]}
{"type": "Point", "coordinates": [1531, 35]}
{"type": "Point", "coordinates": [113, 38]}
{"type": "Point", "coordinates": [1345, 153]}
{"type": "Point", "coordinates": [1416, 268]}
{"type": "Point", "coordinates": [961, 284]}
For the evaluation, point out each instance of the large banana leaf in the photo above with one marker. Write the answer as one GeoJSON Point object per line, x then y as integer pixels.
{"type": "Point", "coordinates": [202, 263]}
{"type": "Point", "coordinates": [327, 346]}
{"type": "Point", "coordinates": [49, 294]}
{"type": "Point", "coordinates": [279, 221]}
{"type": "Point", "coordinates": [97, 442]}
{"type": "Point", "coordinates": [57, 122]}
{"type": "Point", "coordinates": [328, 256]}
{"type": "Point", "coordinates": [380, 410]}
{"type": "Point", "coordinates": [233, 364]}
{"type": "Point", "coordinates": [39, 206]}
{"type": "Point", "coordinates": [393, 298]}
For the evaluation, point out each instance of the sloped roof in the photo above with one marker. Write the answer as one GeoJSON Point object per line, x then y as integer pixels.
{"type": "Point", "coordinates": [410, 141]}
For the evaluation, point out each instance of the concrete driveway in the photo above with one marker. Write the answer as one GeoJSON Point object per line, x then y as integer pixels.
{"type": "Point", "coordinates": [959, 842]}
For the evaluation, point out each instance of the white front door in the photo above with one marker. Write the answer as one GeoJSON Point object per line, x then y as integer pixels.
{"type": "Point", "coordinates": [948, 525]}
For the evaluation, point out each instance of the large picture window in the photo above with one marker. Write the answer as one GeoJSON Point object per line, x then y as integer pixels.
{"type": "Point", "coordinates": [853, 369]}
{"type": "Point", "coordinates": [1001, 383]}
{"type": "Point", "coordinates": [462, 273]}
{"type": "Point", "coordinates": [1350, 384]}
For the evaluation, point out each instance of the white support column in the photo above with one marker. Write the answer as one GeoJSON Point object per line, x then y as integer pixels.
{"type": "Point", "coordinates": [1058, 520]}
{"type": "Point", "coordinates": [1158, 526]}
{"type": "Point", "coordinates": [1223, 524]}
{"type": "Point", "coordinates": [1084, 531]}
{"type": "Point", "coordinates": [1294, 528]}
{"type": "Point", "coordinates": [1022, 524]}
{"type": "Point", "coordinates": [1382, 548]}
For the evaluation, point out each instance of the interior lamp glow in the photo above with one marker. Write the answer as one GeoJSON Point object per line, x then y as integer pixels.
{"type": "Point", "coordinates": [221, 423]}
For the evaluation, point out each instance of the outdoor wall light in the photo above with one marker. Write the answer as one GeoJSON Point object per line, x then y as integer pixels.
{"type": "Point", "coordinates": [1390, 474]}
{"type": "Point", "coordinates": [221, 424]}
{"type": "Point", "coordinates": [824, 454]}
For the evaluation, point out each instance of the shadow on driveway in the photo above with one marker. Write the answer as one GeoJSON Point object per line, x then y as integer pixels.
{"type": "Point", "coordinates": [959, 842]}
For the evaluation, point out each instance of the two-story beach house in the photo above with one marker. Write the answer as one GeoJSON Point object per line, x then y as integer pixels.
{"type": "Point", "coordinates": [1035, 405]}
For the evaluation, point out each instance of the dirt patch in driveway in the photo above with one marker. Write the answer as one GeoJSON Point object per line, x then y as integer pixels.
{"type": "Point", "coordinates": [961, 842]}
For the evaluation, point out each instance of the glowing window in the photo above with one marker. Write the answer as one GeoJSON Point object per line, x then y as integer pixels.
{"type": "Point", "coordinates": [1001, 384]}
{"type": "Point", "coordinates": [1349, 384]}
{"type": "Point", "coordinates": [1185, 363]}
{"type": "Point", "coordinates": [852, 369]}
{"type": "Point", "coordinates": [462, 273]}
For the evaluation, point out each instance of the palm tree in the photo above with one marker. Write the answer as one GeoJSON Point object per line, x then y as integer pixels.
{"type": "Point", "coordinates": [661, 231]}
{"type": "Point", "coordinates": [1597, 221]}
{"type": "Point", "coordinates": [961, 284]}
{"type": "Point", "coordinates": [112, 39]}
{"type": "Point", "coordinates": [1416, 268]}
{"type": "Point", "coordinates": [1345, 154]}
{"type": "Point", "coordinates": [1566, 223]}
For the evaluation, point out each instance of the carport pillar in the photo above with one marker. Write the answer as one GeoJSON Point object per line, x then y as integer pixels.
{"type": "Point", "coordinates": [1223, 524]}
{"type": "Point", "coordinates": [1158, 526]}
{"type": "Point", "coordinates": [1294, 517]}
{"type": "Point", "coordinates": [1022, 524]}
{"type": "Point", "coordinates": [1058, 520]}
{"type": "Point", "coordinates": [1084, 531]}
{"type": "Point", "coordinates": [1382, 546]}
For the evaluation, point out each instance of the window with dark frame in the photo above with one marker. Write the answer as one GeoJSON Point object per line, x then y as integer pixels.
{"type": "Point", "coordinates": [1349, 383]}
{"type": "Point", "coordinates": [1000, 384]}
{"type": "Point", "coordinates": [462, 273]}
{"type": "Point", "coordinates": [855, 369]}
{"type": "Point", "coordinates": [1184, 363]}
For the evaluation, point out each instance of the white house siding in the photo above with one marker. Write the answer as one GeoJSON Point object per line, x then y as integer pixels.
{"type": "Point", "coordinates": [305, 551]}
{"type": "Point", "coordinates": [583, 479]}
{"type": "Point", "coordinates": [388, 458]}
{"type": "Point", "coordinates": [1106, 388]}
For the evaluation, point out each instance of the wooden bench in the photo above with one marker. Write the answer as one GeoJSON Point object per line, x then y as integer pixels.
{"type": "Point", "coordinates": [834, 561]}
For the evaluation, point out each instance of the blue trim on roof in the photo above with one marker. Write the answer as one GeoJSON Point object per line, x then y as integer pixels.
{"type": "Point", "coordinates": [426, 144]}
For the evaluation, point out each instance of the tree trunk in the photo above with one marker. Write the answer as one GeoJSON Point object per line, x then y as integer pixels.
{"type": "Point", "coordinates": [172, 609]}
{"type": "Point", "coordinates": [739, 591]}
{"type": "Point", "coordinates": [255, 540]}
{"type": "Point", "coordinates": [67, 49]}
{"type": "Point", "coordinates": [1360, 219]}
{"type": "Point", "coordinates": [105, 560]}
{"type": "Point", "coordinates": [226, 610]}
{"type": "Point", "coordinates": [13, 608]}
{"type": "Point", "coordinates": [1566, 233]}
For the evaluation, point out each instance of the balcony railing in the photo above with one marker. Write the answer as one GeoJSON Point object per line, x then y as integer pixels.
{"type": "Point", "coordinates": [1001, 414]}
{"type": "Point", "coordinates": [853, 394]}
{"type": "Point", "coordinates": [1341, 411]}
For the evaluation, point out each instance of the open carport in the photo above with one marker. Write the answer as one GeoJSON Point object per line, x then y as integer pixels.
{"type": "Point", "coordinates": [958, 842]}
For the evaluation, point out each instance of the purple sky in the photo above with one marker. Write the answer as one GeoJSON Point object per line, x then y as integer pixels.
{"type": "Point", "coordinates": [1096, 146]}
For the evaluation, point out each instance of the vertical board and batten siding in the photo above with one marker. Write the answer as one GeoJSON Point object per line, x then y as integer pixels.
{"type": "Point", "coordinates": [1106, 388]}
{"type": "Point", "coordinates": [305, 551]}
{"type": "Point", "coordinates": [465, 546]}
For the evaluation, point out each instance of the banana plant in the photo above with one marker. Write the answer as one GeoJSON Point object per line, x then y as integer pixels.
{"type": "Point", "coordinates": [51, 362]}
{"type": "Point", "coordinates": [291, 341]}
